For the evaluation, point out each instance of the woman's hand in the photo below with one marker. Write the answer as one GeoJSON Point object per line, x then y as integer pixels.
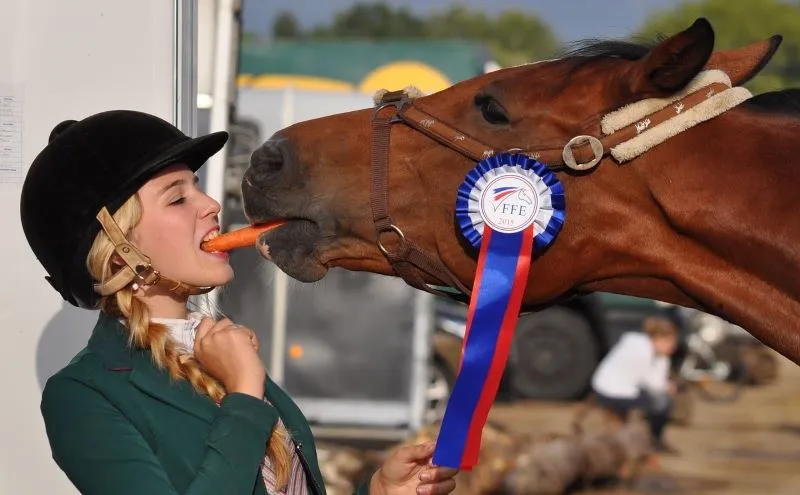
{"type": "Point", "coordinates": [229, 353]}
{"type": "Point", "coordinates": [408, 470]}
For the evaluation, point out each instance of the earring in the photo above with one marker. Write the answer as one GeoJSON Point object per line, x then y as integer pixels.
{"type": "Point", "coordinates": [135, 286]}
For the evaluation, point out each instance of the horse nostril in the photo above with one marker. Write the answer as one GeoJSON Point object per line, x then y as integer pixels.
{"type": "Point", "coordinates": [268, 158]}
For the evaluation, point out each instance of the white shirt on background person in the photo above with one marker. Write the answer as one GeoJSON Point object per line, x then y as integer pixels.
{"type": "Point", "coordinates": [631, 366]}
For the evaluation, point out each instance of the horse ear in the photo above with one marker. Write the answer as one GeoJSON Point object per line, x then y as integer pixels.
{"type": "Point", "coordinates": [674, 62]}
{"type": "Point", "coordinates": [743, 63]}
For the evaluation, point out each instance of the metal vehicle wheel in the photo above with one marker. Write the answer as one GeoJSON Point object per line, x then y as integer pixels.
{"type": "Point", "coordinates": [553, 356]}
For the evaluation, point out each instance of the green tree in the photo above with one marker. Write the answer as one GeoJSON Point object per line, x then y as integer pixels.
{"type": "Point", "coordinates": [372, 21]}
{"type": "Point", "coordinates": [286, 26]}
{"type": "Point", "coordinates": [249, 37]}
{"type": "Point", "coordinates": [514, 37]}
{"type": "Point", "coordinates": [519, 38]}
{"type": "Point", "coordinates": [737, 23]}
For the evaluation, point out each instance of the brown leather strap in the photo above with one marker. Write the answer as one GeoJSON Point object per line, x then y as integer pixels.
{"type": "Point", "coordinates": [380, 172]}
{"type": "Point", "coordinates": [582, 151]}
{"type": "Point", "coordinates": [444, 134]}
{"type": "Point", "coordinates": [137, 266]}
{"type": "Point", "coordinates": [407, 258]}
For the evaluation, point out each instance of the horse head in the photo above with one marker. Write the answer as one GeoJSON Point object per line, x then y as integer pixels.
{"type": "Point", "coordinates": [317, 174]}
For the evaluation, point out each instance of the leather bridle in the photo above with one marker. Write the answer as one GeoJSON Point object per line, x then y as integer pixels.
{"type": "Point", "coordinates": [580, 153]}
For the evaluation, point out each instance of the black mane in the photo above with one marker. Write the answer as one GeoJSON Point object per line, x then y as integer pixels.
{"type": "Point", "coordinates": [591, 49]}
{"type": "Point", "coordinates": [785, 101]}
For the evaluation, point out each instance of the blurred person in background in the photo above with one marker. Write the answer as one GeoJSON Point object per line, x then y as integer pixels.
{"type": "Point", "coordinates": [634, 375]}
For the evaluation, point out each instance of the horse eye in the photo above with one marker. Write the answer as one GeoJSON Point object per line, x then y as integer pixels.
{"type": "Point", "coordinates": [492, 111]}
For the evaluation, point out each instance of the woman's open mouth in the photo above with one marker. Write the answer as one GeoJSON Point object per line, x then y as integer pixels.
{"type": "Point", "coordinates": [211, 234]}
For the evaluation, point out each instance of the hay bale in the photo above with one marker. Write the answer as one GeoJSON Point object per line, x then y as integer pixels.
{"type": "Point", "coordinates": [546, 466]}
{"type": "Point", "coordinates": [497, 456]}
{"type": "Point", "coordinates": [617, 452]}
{"type": "Point", "coordinates": [343, 468]}
{"type": "Point", "coordinates": [513, 464]}
{"type": "Point", "coordinates": [762, 365]}
{"type": "Point", "coordinates": [635, 439]}
{"type": "Point", "coordinates": [551, 465]}
{"type": "Point", "coordinates": [602, 456]}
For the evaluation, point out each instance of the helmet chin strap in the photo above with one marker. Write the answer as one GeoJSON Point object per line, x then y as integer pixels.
{"type": "Point", "coordinates": [138, 268]}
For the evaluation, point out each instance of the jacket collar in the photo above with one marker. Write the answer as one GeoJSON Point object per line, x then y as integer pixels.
{"type": "Point", "coordinates": [109, 340]}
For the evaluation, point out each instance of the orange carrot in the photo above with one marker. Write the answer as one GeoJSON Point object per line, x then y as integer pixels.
{"type": "Point", "coordinates": [244, 237]}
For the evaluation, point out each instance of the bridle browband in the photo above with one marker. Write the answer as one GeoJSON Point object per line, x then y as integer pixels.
{"type": "Point", "coordinates": [580, 153]}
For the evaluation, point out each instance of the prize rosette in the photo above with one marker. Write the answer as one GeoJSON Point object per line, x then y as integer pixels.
{"type": "Point", "coordinates": [510, 207]}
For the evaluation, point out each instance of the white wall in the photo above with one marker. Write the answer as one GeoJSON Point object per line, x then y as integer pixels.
{"type": "Point", "coordinates": [69, 59]}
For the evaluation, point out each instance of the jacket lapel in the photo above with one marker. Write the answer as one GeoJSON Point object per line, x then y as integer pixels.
{"type": "Point", "coordinates": [110, 341]}
{"type": "Point", "coordinates": [177, 393]}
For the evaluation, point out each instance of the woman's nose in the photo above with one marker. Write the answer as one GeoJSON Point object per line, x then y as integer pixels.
{"type": "Point", "coordinates": [212, 207]}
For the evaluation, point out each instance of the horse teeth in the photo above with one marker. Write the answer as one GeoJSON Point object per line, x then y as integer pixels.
{"type": "Point", "coordinates": [263, 248]}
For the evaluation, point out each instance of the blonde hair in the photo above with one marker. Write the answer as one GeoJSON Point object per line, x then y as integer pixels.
{"type": "Point", "coordinates": [145, 334]}
{"type": "Point", "coordinates": [657, 327]}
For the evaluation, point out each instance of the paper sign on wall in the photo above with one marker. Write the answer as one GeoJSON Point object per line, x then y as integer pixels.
{"type": "Point", "coordinates": [11, 112]}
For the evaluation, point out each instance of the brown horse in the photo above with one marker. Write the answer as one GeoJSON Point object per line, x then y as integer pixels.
{"type": "Point", "coordinates": [695, 212]}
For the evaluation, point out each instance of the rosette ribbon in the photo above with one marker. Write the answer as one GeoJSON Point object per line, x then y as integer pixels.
{"type": "Point", "coordinates": [510, 207]}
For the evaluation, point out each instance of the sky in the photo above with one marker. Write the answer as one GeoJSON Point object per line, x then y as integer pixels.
{"type": "Point", "coordinates": [570, 19]}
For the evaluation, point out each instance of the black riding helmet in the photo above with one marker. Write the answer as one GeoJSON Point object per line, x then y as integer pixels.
{"type": "Point", "coordinates": [90, 165]}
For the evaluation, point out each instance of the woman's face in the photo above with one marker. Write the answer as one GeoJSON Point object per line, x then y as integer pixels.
{"type": "Point", "coordinates": [176, 217]}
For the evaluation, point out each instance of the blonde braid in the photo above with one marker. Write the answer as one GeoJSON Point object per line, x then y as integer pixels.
{"type": "Point", "coordinates": [145, 334]}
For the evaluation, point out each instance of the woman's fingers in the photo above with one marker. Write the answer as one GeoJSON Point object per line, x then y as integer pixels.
{"type": "Point", "coordinates": [416, 453]}
{"type": "Point", "coordinates": [436, 474]}
{"type": "Point", "coordinates": [202, 330]}
{"type": "Point", "coordinates": [221, 325]}
{"type": "Point", "coordinates": [439, 488]}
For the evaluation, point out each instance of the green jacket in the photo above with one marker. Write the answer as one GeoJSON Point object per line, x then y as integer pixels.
{"type": "Point", "coordinates": [117, 424]}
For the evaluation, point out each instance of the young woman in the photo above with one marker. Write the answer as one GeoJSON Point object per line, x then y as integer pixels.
{"type": "Point", "coordinates": [163, 400]}
{"type": "Point", "coordinates": [635, 375]}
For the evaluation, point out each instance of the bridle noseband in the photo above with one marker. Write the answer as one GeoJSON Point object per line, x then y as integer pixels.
{"type": "Point", "coordinates": [580, 153]}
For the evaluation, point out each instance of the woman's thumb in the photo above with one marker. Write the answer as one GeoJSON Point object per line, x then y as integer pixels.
{"type": "Point", "coordinates": [420, 451]}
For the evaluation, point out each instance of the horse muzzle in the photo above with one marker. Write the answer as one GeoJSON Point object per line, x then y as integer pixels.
{"type": "Point", "coordinates": [271, 188]}
{"type": "Point", "coordinates": [270, 164]}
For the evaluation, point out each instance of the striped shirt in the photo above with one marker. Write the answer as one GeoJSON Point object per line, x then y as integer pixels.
{"type": "Point", "coordinates": [297, 476]}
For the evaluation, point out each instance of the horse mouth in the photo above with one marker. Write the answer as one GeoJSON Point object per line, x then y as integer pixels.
{"type": "Point", "coordinates": [295, 246]}
{"type": "Point", "coordinates": [294, 249]}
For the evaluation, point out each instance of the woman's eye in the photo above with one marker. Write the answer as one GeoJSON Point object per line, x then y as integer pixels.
{"type": "Point", "coordinates": [178, 201]}
{"type": "Point", "coordinates": [491, 110]}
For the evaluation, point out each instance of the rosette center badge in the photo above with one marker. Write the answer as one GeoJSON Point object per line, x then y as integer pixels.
{"type": "Point", "coordinates": [509, 203]}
